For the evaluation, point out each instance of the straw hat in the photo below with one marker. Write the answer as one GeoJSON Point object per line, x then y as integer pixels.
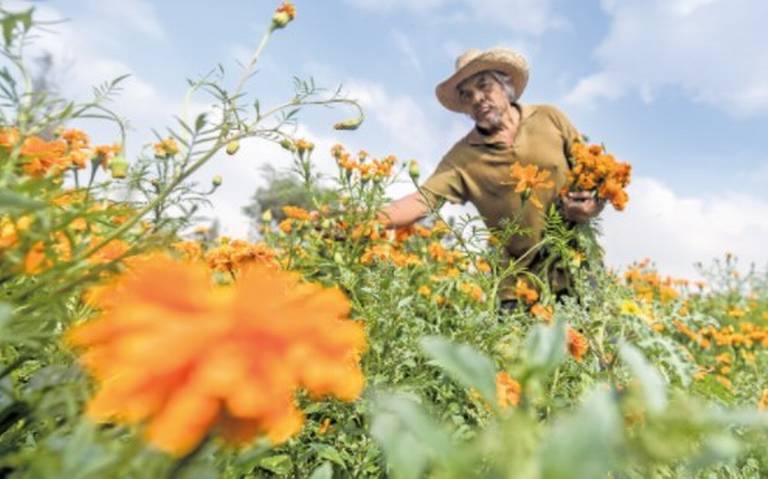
{"type": "Point", "coordinates": [474, 61]}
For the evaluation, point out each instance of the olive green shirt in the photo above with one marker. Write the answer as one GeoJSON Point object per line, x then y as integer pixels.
{"type": "Point", "coordinates": [479, 172]}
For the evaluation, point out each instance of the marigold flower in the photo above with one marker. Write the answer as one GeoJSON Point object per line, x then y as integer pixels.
{"type": "Point", "coordinates": [762, 404]}
{"type": "Point", "coordinates": [284, 14]}
{"type": "Point", "coordinates": [324, 427]}
{"type": "Point", "coordinates": [40, 157]}
{"type": "Point", "coordinates": [166, 148]}
{"type": "Point", "coordinates": [525, 292]}
{"type": "Point", "coordinates": [507, 390]}
{"type": "Point", "coordinates": [529, 178]}
{"type": "Point", "coordinates": [544, 312]}
{"type": "Point", "coordinates": [239, 353]}
{"type": "Point", "coordinates": [577, 344]}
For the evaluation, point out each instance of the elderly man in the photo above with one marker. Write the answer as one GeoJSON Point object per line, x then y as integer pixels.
{"type": "Point", "coordinates": [486, 86]}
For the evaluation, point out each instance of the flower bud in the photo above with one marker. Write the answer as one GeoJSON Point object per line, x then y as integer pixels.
{"type": "Point", "coordinates": [413, 170]}
{"type": "Point", "coordinates": [288, 145]}
{"type": "Point", "coordinates": [118, 167]}
{"type": "Point", "coordinates": [351, 124]}
{"type": "Point", "coordinates": [266, 216]}
{"type": "Point", "coordinates": [283, 15]}
{"type": "Point", "coordinates": [216, 181]}
{"type": "Point", "coordinates": [232, 147]}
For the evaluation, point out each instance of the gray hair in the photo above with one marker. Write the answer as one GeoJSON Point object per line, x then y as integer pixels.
{"type": "Point", "coordinates": [501, 78]}
{"type": "Point", "coordinates": [506, 84]}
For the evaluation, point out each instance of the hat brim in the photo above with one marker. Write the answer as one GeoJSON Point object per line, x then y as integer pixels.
{"type": "Point", "coordinates": [448, 93]}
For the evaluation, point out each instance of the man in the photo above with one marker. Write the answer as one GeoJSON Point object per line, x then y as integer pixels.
{"type": "Point", "coordinates": [486, 86]}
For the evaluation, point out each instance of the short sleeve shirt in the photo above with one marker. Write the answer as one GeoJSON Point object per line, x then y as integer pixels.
{"type": "Point", "coordinates": [479, 172]}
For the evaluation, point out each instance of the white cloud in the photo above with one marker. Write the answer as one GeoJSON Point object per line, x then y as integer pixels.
{"type": "Point", "coordinates": [677, 231]}
{"type": "Point", "coordinates": [712, 50]}
{"type": "Point", "coordinates": [138, 15]}
{"type": "Point", "coordinates": [406, 48]}
{"type": "Point", "coordinates": [529, 16]}
{"type": "Point", "coordinates": [403, 120]}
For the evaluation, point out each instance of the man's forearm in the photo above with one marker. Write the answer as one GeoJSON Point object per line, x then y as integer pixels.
{"type": "Point", "coordinates": [404, 211]}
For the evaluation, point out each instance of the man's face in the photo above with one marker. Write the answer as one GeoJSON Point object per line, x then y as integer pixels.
{"type": "Point", "coordinates": [484, 100]}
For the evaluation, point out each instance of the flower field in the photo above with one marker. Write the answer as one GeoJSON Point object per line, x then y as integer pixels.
{"type": "Point", "coordinates": [136, 343]}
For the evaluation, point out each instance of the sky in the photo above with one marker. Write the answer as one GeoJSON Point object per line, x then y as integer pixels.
{"type": "Point", "coordinates": [678, 88]}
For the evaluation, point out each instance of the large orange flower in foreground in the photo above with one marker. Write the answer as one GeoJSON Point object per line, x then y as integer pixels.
{"type": "Point", "coordinates": [189, 358]}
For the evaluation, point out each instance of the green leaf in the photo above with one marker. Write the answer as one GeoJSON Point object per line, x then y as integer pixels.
{"type": "Point", "coordinates": [408, 436]}
{"type": "Point", "coordinates": [6, 313]}
{"type": "Point", "coordinates": [545, 347]}
{"type": "Point", "coordinates": [651, 382]}
{"type": "Point", "coordinates": [325, 471]}
{"type": "Point", "coordinates": [585, 445]}
{"type": "Point", "coordinates": [280, 464]}
{"type": "Point", "coordinates": [330, 453]}
{"type": "Point", "coordinates": [464, 364]}
{"type": "Point", "coordinates": [12, 201]}
{"type": "Point", "coordinates": [200, 121]}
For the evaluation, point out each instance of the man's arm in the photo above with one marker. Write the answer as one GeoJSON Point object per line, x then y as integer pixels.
{"type": "Point", "coordinates": [405, 211]}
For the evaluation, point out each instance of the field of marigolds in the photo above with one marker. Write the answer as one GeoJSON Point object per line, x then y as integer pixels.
{"type": "Point", "coordinates": [134, 344]}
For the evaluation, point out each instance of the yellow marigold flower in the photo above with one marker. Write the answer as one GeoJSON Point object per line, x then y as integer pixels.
{"type": "Point", "coordinates": [238, 354]}
{"type": "Point", "coordinates": [630, 308]}
{"type": "Point", "coordinates": [473, 291]}
{"type": "Point", "coordinates": [577, 344]}
{"type": "Point", "coordinates": [736, 312]}
{"type": "Point", "coordinates": [424, 290]}
{"type": "Point", "coordinates": [482, 266]}
{"type": "Point", "coordinates": [303, 145]}
{"type": "Point", "coordinates": [507, 390]}
{"type": "Point", "coordinates": [166, 148]}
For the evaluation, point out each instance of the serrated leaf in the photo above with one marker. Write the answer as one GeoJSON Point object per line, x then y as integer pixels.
{"type": "Point", "coordinates": [464, 364]}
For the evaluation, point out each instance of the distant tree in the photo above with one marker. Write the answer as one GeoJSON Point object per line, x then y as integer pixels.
{"type": "Point", "coordinates": [283, 188]}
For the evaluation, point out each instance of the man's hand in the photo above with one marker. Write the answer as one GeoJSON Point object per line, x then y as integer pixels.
{"type": "Point", "coordinates": [581, 206]}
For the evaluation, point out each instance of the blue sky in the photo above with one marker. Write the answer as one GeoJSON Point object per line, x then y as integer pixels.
{"type": "Point", "coordinates": [679, 88]}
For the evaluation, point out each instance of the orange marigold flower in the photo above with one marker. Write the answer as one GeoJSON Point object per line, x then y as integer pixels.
{"type": "Point", "coordinates": [525, 292]}
{"type": "Point", "coordinates": [577, 344]}
{"type": "Point", "coordinates": [324, 426]}
{"type": "Point", "coordinates": [284, 14]}
{"type": "Point", "coordinates": [529, 178]}
{"type": "Point", "coordinates": [507, 390]}
{"type": "Point", "coordinates": [296, 213]}
{"type": "Point", "coordinates": [112, 251]}
{"type": "Point", "coordinates": [239, 353]}
{"type": "Point", "coordinates": [543, 312]}
{"type": "Point", "coordinates": [762, 404]}
{"type": "Point", "coordinates": [40, 156]}
{"type": "Point", "coordinates": [9, 137]}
